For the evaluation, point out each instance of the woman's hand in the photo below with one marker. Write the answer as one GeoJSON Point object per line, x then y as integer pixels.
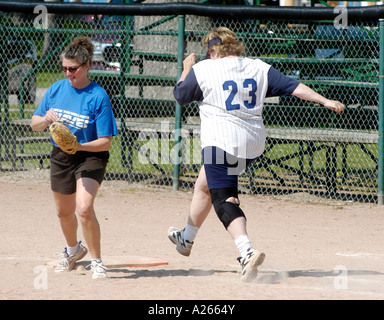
{"type": "Point", "coordinates": [188, 63]}
{"type": "Point", "coordinates": [51, 116]}
{"type": "Point", "coordinates": [334, 105]}
{"type": "Point", "coordinates": [39, 123]}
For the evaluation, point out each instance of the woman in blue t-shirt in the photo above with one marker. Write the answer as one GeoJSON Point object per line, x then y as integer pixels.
{"type": "Point", "coordinates": [85, 108]}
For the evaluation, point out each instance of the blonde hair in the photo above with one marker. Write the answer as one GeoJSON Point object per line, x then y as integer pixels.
{"type": "Point", "coordinates": [80, 49]}
{"type": "Point", "coordinates": [229, 44]}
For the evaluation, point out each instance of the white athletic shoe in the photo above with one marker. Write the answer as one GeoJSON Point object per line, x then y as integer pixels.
{"type": "Point", "coordinates": [67, 262]}
{"type": "Point", "coordinates": [98, 269]}
{"type": "Point", "coordinates": [176, 236]}
{"type": "Point", "coordinates": [249, 264]}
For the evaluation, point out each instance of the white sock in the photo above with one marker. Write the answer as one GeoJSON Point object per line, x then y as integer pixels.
{"type": "Point", "coordinates": [72, 250]}
{"type": "Point", "coordinates": [243, 244]}
{"type": "Point", "coordinates": [190, 232]}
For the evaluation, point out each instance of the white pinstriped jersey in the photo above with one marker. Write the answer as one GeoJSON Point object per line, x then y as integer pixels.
{"type": "Point", "coordinates": [230, 93]}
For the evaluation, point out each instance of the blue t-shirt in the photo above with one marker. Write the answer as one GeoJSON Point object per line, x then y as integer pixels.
{"type": "Point", "coordinates": [87, 112]}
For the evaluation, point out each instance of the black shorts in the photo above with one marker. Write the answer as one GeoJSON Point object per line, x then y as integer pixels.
{"type": "Point", "coordinates": [66, 168]}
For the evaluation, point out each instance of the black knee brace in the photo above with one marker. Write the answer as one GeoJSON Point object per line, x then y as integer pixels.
{"type": "Point", "coordinates": [225, 210]}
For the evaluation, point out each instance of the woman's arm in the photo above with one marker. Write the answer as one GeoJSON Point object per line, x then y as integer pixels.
{"type": "Point", "coordinates": [98, 145]}
{"type": "Point", "coordinates": [188, 63]}
{"type": "Point", "coordinates": [306, 93]}
{"type": "Point", "coordinates": [39, 123]}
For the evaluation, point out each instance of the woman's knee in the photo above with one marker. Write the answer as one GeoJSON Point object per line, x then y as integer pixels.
{"type": "Point", "coordinates": [85, 210]}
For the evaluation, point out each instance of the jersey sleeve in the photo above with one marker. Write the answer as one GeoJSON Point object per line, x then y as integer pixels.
{"type": "Point", "coordinates": [280, 84]}
{"type": "Point", "coordinates": [105, 120]}
{"type": "Point", "coordinates": [44, 104]}
{"type": "Point", "coordinates": [188, 90]}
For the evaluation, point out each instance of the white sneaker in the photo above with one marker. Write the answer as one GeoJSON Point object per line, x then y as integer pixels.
{"type": "Point", "coordinates": [67, 262]}
{"type": "Point", "coordinates": [98, 269]}
{"type": "Point", "coordinates": [176, 236]}
{"type": "Point", "coordinates": [249, 264]}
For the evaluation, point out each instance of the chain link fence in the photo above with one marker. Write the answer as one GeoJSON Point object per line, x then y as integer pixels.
{"type": "Point", "coordinates": [310, 150]}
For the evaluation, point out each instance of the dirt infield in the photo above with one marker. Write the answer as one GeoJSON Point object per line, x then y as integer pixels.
{"type": "Point", "coordinates": [313, 251]}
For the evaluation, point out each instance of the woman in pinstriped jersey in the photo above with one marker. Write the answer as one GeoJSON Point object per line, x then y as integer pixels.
{"type": "Point", "coordinates": [230, 91]}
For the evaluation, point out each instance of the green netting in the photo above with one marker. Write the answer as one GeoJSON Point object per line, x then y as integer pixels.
{"type": "Point", "coordinates": [309, 149]}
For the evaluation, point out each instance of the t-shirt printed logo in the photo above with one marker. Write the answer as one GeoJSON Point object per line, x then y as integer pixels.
{"type": "Point", "coordinates": [73, 119]}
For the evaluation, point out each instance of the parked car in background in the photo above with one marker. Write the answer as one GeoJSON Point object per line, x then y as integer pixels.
{"type": "Point", "coordinates": [106, 66]}
{"type": "Point", "coordinates": [107, 46]}
{"type": "Point", "coordinates": [21, 56]}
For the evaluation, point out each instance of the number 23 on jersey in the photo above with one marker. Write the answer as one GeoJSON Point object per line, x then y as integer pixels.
{"type": "Point", "coordinates": [232, 86]}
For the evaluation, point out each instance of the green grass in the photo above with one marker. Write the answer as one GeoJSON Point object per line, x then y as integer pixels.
{"type": "Point", "coordinates": [357, 159]}
{"type": "Point", "coordinates": [46, 79]}
{"type": "Point", "coordinates": [361, 169]}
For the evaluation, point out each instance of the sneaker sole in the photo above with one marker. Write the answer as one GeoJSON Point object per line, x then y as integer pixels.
{"type": "Point", "coordinates": [171, 230]}
{"type": "Point", "coordinates": [180, 250]}
{"type": "Point", "coordinates": [99, 276]}
{"type": "Point", "coordinates": [85, 251]}
{"type": "Point", "coordinates": [252, 271]}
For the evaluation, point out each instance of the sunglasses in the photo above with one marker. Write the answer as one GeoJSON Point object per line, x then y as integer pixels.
{"type": "Point", "coordinates": [70, 69]}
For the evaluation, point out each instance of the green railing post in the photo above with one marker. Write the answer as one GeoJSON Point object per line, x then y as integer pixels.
{"type": "Point", "coordinates": [4, 77]}
{"type": "Point", "coordinates": [4, 91]}
{"type": "Point", "coordinates": [3, 70]}
{"type": "Point", "coordinates": [380, 193]}
{"type": "Point", "coordinates": [178, 113]}
{"type": "Point", "coordinates": [125, 68]}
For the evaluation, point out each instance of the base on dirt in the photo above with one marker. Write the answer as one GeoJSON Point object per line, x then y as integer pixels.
{"type": "Point", "coordinates": [112, 262]}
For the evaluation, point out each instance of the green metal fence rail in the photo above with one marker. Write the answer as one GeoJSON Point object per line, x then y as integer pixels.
{"type": "Point", "coordinates": [139, 50]}
{"type": "Point", "coordinates": [380, 190]}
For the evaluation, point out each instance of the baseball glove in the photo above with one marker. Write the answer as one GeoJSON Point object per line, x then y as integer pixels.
{"type": "Point", "coordinates": [64, 138]}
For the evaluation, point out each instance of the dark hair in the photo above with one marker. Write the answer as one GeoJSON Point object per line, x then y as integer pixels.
{"type": "Point", "coordinates": [79, 49]}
